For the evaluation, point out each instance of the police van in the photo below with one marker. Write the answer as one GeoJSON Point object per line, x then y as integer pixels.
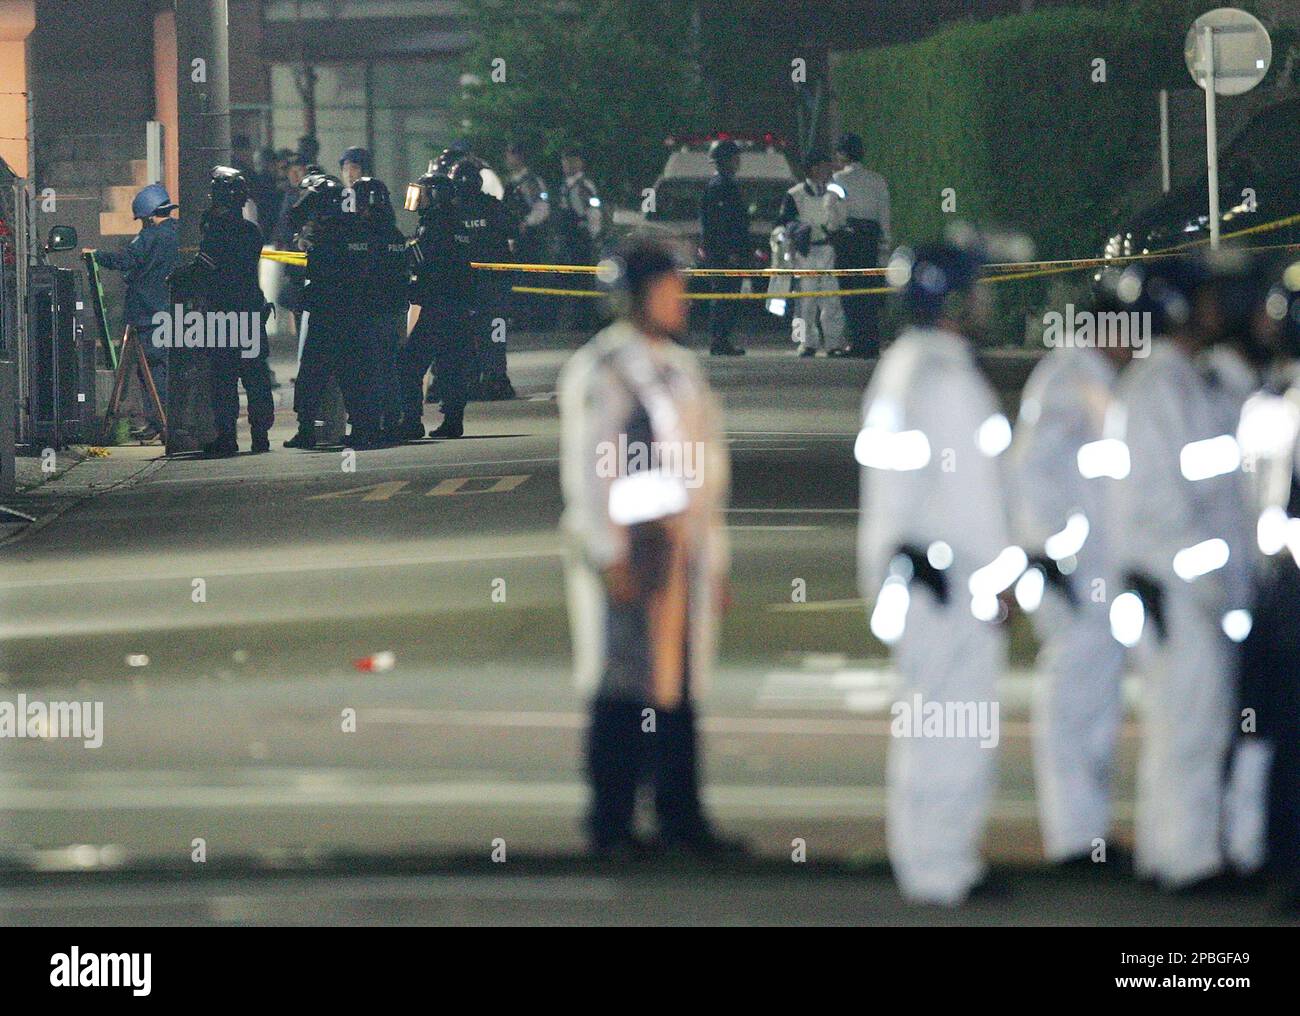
{"type": "Point", "coordinates": [672, 207]}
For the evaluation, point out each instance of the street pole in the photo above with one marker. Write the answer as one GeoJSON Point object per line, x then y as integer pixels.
{"type": "Point", "coordinates": [1164, 141]}
{"type": "Point", "coordinates": [203, 122]}
{"type": "Point", "coordinates": [1211, 131]}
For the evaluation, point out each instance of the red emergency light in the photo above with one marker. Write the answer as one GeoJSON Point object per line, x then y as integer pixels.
{"type": "Point", "coordinates": [766, 139]}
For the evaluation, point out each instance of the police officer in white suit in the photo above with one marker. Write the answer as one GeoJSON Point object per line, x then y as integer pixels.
{"type": "Point", "coordinates": [1060, 517]}
{"type": "Point", "coordinates": [645, 474]}
{"type": "Point", "coordinates": [935, 556]}
{"type": "Point", "coordinates": [1186, 550]}
{"type": "Point", "coordinates": [818, 323]}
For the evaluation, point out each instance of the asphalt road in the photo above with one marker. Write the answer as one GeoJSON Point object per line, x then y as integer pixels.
{"type": "Point", "coordinates": [218, 611]}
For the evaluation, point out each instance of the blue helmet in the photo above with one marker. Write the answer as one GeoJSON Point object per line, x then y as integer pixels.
{"type": "Point", "coordinates": [932, 273]}
{"type": "Point", "coordinates": [152, 200]}
{"type": "Point", "coordinates": [1166, 289]}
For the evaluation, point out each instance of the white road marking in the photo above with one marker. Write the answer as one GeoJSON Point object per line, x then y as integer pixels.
{"type": "Point", "coordinates": [231, 900]}
{"type": "Point", "coordinates": [818, 606]}
{"type": "Point", "coordinates": [793, 433]}
{"type": "Point", "coordinates": [333, 471]}
{"type": "Point", "coordinates": [794, 726]}
{"type": "Point", "coordinates": [774, 529]}
{"type": "Point", "coordinates": [735, 801]}
{"type": "Point", "coordinates": [872, 687]}
{"type": "Point", "coordinates": [188, 574]}
{"type": "Point", "coordinates": [793, 511]}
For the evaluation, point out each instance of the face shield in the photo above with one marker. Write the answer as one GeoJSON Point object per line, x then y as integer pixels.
{"type": "Point", "coordinates": [417, 197]}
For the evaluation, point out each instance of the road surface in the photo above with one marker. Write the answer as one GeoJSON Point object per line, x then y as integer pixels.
{"type": "Point", "coordinates": [218, 610]}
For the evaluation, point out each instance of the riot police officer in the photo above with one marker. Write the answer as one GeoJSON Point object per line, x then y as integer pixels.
{"type": "Point", "coordinates": [333, 299]}
{"type": "Point", "coordinates": [484, 232]}
{"type": "Point", "coordinates": [724, 242]}
{"type": "Point", "coordinates": [460, 149]}
{"type": "Point", "coordinates": [440, 278]}
{"type": "Point", "coordinates": [229, 256]}
{"type": "Point", "coordinates": [384, 298]}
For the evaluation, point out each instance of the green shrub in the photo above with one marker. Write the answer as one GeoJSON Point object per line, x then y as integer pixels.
{"type": "Point", "coordinates": [1011, 116]}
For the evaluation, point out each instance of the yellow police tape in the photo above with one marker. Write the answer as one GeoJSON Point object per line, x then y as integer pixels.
{"type": "Point", "coordinates": [1008, 271]}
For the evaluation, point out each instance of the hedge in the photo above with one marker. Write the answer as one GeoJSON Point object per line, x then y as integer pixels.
{"type": "Point", "coordinates": [1007, 113]}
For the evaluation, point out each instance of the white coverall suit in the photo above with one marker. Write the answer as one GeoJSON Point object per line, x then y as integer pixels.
{"type": "Point", "coordinates": [931, 475]}
{"type": "Point", "coordinates": [1167, 511]}
{"type": "Point", "coordinates": [820, 318]}
{"type": "Point", "coordinates": [1077, 706]}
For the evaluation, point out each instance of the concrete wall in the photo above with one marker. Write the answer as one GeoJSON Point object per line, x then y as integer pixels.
{"type": "Point", "coordinates": [92, 62]}
{"type": "Point", "coordinates": [17, 19]}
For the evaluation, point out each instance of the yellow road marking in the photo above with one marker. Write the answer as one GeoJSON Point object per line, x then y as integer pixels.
{"type": "Point", "coordinates": [456, 485]}
{"type": "Point", "coordinates": [373, 491]}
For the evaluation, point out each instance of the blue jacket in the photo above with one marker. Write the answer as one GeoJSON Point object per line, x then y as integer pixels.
{"type": "Point", "coordinates": [147, 261]}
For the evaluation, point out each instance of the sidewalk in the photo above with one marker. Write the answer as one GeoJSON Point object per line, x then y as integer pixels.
{"type": "Point", "coordinates": [77, 473]}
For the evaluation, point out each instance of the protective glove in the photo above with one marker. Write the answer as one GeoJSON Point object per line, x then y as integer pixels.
{"type": "Point", "coordinates": [925, 573]}
{"type": "Point", "coordinates": [1152, 595]}
{"type": "Point", "coordinates": [1055, 578]}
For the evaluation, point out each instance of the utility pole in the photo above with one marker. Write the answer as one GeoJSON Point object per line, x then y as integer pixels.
{"type": "Point", "coordinates": [203, 107]}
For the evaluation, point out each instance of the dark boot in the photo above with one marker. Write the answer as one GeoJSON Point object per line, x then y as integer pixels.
{"type": "Point", "coordinates": [725, 348]}
{"type": "Point", "coordinates": [409, 428]}
{"type": "Point", "coordinates": [677, 792]}
{"type": "Point", "coordinates": [675, 754]}
{"type": "Point", "coordinates": [453, 423]}
{"type": "Point", "coordinates": [305, 438]}
{"type": "Point", "coordinates": [224, 447]}
{"type": "Point", "coordinates": [363, 439]}
{"type": "Point", "coordinates": [261, 442]}
{"type": "Point", "coordinates": [614, 747]}
{"type": "Point", "coordinates": [495, 389]}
